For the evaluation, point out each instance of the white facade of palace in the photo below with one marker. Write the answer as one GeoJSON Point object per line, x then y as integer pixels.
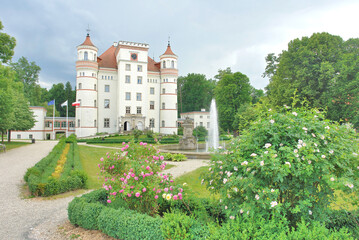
{"type": "Point", "coordinates": [44, 128]}
{"type": "Point", "coordinates": [124, 89]}
{"type": "Point", "coordinates": [200, 118]}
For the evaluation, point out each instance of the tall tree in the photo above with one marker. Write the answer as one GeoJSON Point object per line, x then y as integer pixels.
{"type": "Point", "coordinates": [28, 74]}
{"type": "Point", "coordinates": [6, 99]}
{"type": "Point", "coordinates": [323, 69]}
{"type": "Point", "coordinates": [58, 93]}
{"type": "Point", "coordinates": [7, 45]}
{"type": "Point", "coordinates": [232, 90]}
{"type": "Point", "coordinates": [195, 92]}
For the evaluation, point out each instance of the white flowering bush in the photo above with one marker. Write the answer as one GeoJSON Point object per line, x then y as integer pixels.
{"type": "Point", "coordinates": [287, 163]}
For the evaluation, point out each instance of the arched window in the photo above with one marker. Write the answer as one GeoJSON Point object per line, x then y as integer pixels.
{"type": "Point", "coordinates": [163, 123]}
{"type": "Point", "coordinates": [94, 123]}
{"type": "Point", "coordinates": [173, 64]}
{"type": "Point", "coordinates": [164, 64]}
{"type": "Point", "coordinates": [163, 90]}
{"type": "Point", "coordinates": [86, 55]}
{"type": "Point", "coordinates": [94, 103]}
{"type": "Point", "coordinates": [94, 58]}
{"type": "Point", "coordinates": [80, 85]}
{"type": "Point", "coordinates": [78, 123]}
{"type": "Point", "coordinates": [163, 105]}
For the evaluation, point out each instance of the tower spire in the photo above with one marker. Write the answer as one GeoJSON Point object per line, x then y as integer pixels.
{"type": "Point", "coordinates": [88, 30]}
{"type": "Point", "coordinates": [169, 40]}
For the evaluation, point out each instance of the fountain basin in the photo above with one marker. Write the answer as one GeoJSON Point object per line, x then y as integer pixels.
{"type": "Point", "coordinates": [190, 154]}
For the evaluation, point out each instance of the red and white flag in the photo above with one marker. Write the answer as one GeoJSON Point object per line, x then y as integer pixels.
{"type": "Point", "coordinates": [76, 104]}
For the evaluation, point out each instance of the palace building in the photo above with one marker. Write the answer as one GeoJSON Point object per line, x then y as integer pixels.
{"type": "Point", "coordinates": [124, 89]}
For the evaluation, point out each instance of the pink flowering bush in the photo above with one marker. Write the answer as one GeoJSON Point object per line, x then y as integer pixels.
{"type": "Point", "coordinates": [287, 163]}
{"type": "Point", "coordinates": [133, 175]}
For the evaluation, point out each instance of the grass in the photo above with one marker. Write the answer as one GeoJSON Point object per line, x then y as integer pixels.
{"type": "Point", "coordinates": [115, 145]}
{"type": "Point", "coordinates": [90, 158]}
{"type": "Point", "coordinates": [12, 145]}
{"type": "Point", "coordinates": [193, 181]}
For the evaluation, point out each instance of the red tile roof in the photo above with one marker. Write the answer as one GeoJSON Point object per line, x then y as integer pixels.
{"type": "Point", "coordinates": [169, 51]}
{"type": "Point", "coordinates": [152, 65]}
{"type": "Point", "coordinates": [87, 41]}
{"type": "Point", "coordinates": [108, 58]}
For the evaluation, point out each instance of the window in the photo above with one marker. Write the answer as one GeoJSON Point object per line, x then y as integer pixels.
{"type": "Point", "coordinates": [107, 103]}
{"type": "Point", "coordinates": [128, 96]}
{"type": "Point", "coordinates": [71, 124]}
{"type": "Point", "coordinates": [128, 67]}
{"type": "Point", "coordinates": [19, 136]}
{"type": "Point", "coordinates": [111, 77]}
{"type": "Point", "coordinates": [63, 124]}
{"type": "Point", "coordinates": [86, 56]}
{"type": "Point", "coordinates": [105, 77]}
{"type": "Point", "coordinates": [79, 100]}
{"type": "Point", "coordinates": [94, 103]}
{"type": "Point", "coordinates": [200, 116]}
{"type": "Point", "coordinates": [163, 90]}
{"type": "Point", "coordinates": [139, 110]}
{"type": "Point", "coordinates": [163, 105]}
{"type": "Point", "coordinates": [173, 64]}
{"type": "Point", "coordinates": [128, 79]}
{"type": "Point", "coordinates": [102, 76]}
{"type": "Point", "coordinates": [139, 96]}
{"type": "Point", "coordinates": [94, 57]}
{"type": "Point", "coordinates": [128, 109]}
{"type": "Point", "coordinates": [207, 117]}
{"type": "Point", "coordinates": [139, 68]}
{"type": "Point", "coordinates": [207, 124]}
{"type": "Point", "coordinates": [47, 124]}
{"type": "Point", "coordinates": [139, 80]}
{"type": "Point", "coordinates": [152, 104]}
{"type": "Point", "coordinates": [95, 87]}
{"type": "Point", "coordinates": [176, 91]}
{"type": "Point", "coordinates": [30, 136]}
{"type": "Point", "coordinates": [201, 124]}
{"type": "Point", "coordinates": [78, 123]}
{"type": "Point", "coordinates": [152, 123]}
{"type": "Point", "coordinates": [57, 124]}
{"type": "Point", "coordinates": [94, 123]}
{"type": "Point", "coordinates": [163, 123]}
{"type": "Point", "coordinates": [107, 88]}
{"type": "Point", "coordinates": [164, 64]}
{"type": "Point", "coordinates": [106, 123]}
{"type": "Point", "coordinates": [80, 85]}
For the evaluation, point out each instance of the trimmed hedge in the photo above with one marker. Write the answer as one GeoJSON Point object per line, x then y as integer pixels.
{"type": "Point", "coordinates": [39, 178]}
{"type": "Point", "coordinates": [147, 140]}
{"type": "Point", "coordinates": [91, 212]}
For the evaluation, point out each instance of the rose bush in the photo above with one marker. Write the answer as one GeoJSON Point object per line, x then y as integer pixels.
{"type": "Point", "coordinates": [133, 175]}
{"type": "Point", "coordinates": [287, 163]}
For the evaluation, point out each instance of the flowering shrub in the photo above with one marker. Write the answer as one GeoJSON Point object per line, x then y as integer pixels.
{"type": "Point", "coordinates": [133, 175]}
{"type": "Point", "coordinates": [286, 163]}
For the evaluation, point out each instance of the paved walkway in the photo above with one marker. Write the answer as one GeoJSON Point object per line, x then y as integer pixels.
{"type": "Point", "coordinates": [20, 216]}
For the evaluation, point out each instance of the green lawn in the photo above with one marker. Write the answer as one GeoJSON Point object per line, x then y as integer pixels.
{"type": "Point", "coordinates": [12, 145]}
{"type": "Point", "coordinates": [90, 158]}
{"type": "Point", "coordinates": [116, 145]}
{"type": "Point", "coordinates": [193, 181]}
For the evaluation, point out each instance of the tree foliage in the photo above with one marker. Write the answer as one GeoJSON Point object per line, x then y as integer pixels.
{"type": "Point", "coordinates": [28, 74]}
{"type": "Point", "coordinates": [195, 92]}
{"type": "Point", "coordinates": [323, 69]}
{"type": "Point", "coordinates": [7, 45]}
{"type": "Point", "coordinates": [232, 90]}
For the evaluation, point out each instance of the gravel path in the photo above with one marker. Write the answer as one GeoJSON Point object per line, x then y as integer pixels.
{"type": "Point", "coordinates": [20, 217]}
{"type": "Point", "coordinates": [38, 218]}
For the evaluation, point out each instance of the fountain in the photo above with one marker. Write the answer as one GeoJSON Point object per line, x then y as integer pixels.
{"type": "Point", "coordinates": [188, 144]}
{"type": "Point", "coordinates": [213, 135]}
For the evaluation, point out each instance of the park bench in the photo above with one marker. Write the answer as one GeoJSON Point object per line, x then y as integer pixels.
{"type": "Point", "coordinates": [2, 147]}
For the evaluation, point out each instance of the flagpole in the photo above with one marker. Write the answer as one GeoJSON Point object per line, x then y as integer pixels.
{"type": "Point", "coordinates": [67, 119]}
{"type": "Point", "coordinates": [53, 120]}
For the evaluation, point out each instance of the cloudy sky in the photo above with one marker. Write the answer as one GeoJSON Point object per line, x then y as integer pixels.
{"type": "Point", "coordinates": [207, 35]}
